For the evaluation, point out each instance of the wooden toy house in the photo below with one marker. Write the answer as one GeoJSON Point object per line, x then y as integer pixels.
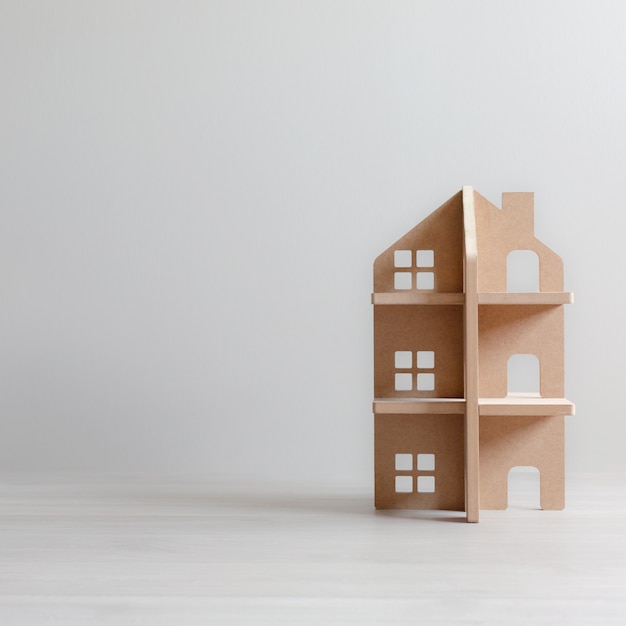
{"type": "Point", "coordinates": [448, 427]}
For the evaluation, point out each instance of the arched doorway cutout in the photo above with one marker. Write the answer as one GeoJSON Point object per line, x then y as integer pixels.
{"type": "Point", "coordinates": [524, 483]}
{"type": "Point", "coordinates": [522, 271]}
{"type": "Point", "coordinates": [523, 375]}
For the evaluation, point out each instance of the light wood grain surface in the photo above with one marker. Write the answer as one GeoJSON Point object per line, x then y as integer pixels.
{"type": "Point", "coordinates": [135, 552]}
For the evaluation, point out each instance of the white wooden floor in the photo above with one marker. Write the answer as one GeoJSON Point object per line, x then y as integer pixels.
{"type": "Point", "coordinates": [179, 554]}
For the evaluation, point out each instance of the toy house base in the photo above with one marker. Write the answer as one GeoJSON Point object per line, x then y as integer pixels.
{"type": "Point", "coordinates": [448, 427]}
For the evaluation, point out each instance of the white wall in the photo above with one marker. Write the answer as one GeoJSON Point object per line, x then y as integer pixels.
{"type": "Point", "coordinates": [192, 195]}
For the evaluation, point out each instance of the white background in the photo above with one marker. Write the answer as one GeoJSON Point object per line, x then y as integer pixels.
{"type": "Point", "coordinates": [192, 195]}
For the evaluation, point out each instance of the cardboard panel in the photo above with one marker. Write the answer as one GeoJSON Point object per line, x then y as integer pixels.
{"type": "Point", "coordinates": [439, 435]}
{"type": "Point", "coordinates": [520, 329]}
{"type": "Point", "coordinates": [506, 442]}
{"type": "Point", "coordinates": [418, 328]}
{"type": "Point", "coordinates": [441, 232]}
{"type": "Point", "coordinates": [500, 231]}
{"type": "Point", "coordinates": [472, 495]}
{"type": "Point", "coordinates": [516, 404]}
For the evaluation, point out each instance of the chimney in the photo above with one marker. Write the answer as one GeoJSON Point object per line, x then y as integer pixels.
{"type": "Point", "coordinates": [519, 210]}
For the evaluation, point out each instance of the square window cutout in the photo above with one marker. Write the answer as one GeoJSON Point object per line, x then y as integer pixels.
{"type": "Point", "coordinates": [425, 359]}
{"type": "Point", "coordinates": [404, 484]}
{"type": "Point", "coordinates": [404, 359]}
{"type": "Point", "coordinates": [402, 280]}
{"type": "Point", "coordinates": [404, 462]}
{"type": "Point", "coordinates": [425, 462]}
{"type": "Point", "coordinates": [404, 382]}
{"type": "Point", "coordinates": [425, 280]}
{"type": "Point", "coordinates": [425, 484]}
{"type": "Point", "coordinates": [425, 382]}
{"type": "Point", "coordinates": [424, 258]}
{"type": "Point", "coordinates": [402, 258]}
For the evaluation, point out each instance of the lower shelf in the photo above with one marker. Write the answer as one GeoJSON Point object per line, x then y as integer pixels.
{"type": "Point", "coordinates": [525, 405]}
{"type": "Point", "coordinates": [510, 405]}
{"type": "Point", "coordinates": [415, 406]}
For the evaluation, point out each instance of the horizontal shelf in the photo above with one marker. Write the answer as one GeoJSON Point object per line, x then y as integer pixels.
{"type": "Point", "coordinates": [418, 297]}
{"type": "Point", "coordinates": [434, 297]}
{"type": "Point", "coordinates": [416, 406]}
{"type": "Point", "coordinates": [543, 297]}
{"type": "Point", "coordinates": [517, 404]}
{"type": "Point", "coordinates": [514, 404]}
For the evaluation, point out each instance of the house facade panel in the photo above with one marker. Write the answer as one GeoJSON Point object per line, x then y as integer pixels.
{"type": "Point", "coordinates": [441, 234]}
{"type": "Point", "coordinates": [411, 342]}
{"type": "Point", "coordinates": [419, 462]}
{"type": "Point", "coordinates": [502, 231]}
{"type": "Point", "coordinates": [507, 442]}
{"type": "Point", "coordinates": [504, 331]}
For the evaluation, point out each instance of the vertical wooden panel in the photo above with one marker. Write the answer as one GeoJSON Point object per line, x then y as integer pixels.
{"type": "Point", "coordinates": [472, 480]}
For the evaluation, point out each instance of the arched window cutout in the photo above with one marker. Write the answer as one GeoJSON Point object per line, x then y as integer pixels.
{"type": "Point", "coordinates": [522, 271]}
{"type": "Point", "coordinates": [523, 375]}
{"type": "Point", "coordinates": [524, 487]}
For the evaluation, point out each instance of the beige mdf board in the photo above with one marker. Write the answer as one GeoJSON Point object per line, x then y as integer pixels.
{"type": "Point", "coordinates": [416, 352]}
{"type": "Point", "coordinates": [418, 366]}
{"type": "Point", "coordinates": [419, 462]}
{"type": "Point", "coordinates": [445, 327]}
{"type": "Point", "coordinates": [412, 267]}
{"type": "Point", "coordinates": [472, 468]}
{"type": "Point", "coordinates": [418, 298]}
{"type": "Point", "coordinates": [507, 442]}
{"type": "Point", "coordinates": [523, 404]}
{"type": "Point", "coordinates": [502, 231]}
{"type": "Point", "coordinates": [419, 406]}
{"type": "Point", "coordinates": [519, 429]}
{"type": "Point", "coordinates": [526, 298]}
{"type": "Point", "coordinates": [505, 331]}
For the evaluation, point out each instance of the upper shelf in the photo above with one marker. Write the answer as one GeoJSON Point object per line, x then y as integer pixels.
{"type": "Point", "coordinates": [542, 297]}
{"type": "Point", "coordinates": [418, 406]}
{"type": "Point", "coordinates": [418, 297]}
{"type": "Point", "coordinates": [438, 297]}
